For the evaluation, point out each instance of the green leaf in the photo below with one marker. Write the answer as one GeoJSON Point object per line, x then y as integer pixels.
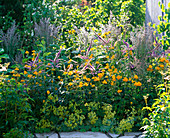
{"type": "Point", "coordinates": [4, 56]}
{"type": "Point", "coordinates": [46, 54]}
{"type": "Point", "coordinates": [1, 50]}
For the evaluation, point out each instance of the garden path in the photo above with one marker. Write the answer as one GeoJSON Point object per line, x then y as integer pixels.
{"type": "Point", "coordinates": [88, 135]}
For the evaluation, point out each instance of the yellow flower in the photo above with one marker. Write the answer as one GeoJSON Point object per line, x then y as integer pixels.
{"type": "Point", "coordinates": [85, 84]}
{"type": "Point", "coordinates": [119, 77]}
{"type": "Point", "coordinates": [115, 71]}
{"type": "Point", "coordinates": [36, 73]}
{"type": "Point", "coordinates": [131, 102]}
{"type": "Point", "coordinates": [69, 31]}
{"type": "Point", "coordinates": [99, 33]}
{"type": "Point", "coordinates": [48, 92]}
{"type": "Point", "coordinates": [27, 52]}
{"type": "Point", "coordinates": [130, 52]}
{"type": "Point", "coordinates": [97, 62]}
{"type": "Point", "coordinates": [25, 72]}
{"type": "Point", "coordinates": [16, 68]}
{"type": "Point", "coordinates": [70, 73]}
{"type": "Point", "coordinates": [161, 65]}
{"type": "Point", "coordinates": [113, 78]}
{"type": "Point", "coordinates": [59, 77]}
{"type": "Point", "coordinates": [93, 86]}
{"type": "Point", "coordinates": [88, 79]}
{"type": "Point", "coordinates": [162, 59]}
{"type": "Point", "coordinates": [136, 77]}
{"type": "Point", "coordinates": [91, 56]}
{"type": "Point", "coordinates": [73, 31]}
{"type": "Point", "coordinates": [69, 61]}
{"type": "Point", "coordinates": [137, 83]}
{"type": "Point", "coordinates": [33, 51]}
{"type": "Point", "coordinates": [107, 67]}
{"type": "Point", "coordinates": [167, 61]}
{"type": "Point", "coordinates": [125, 79]}
{"type": "Point", "coordinates": [96, 79]}
{"type": "Point", "coordinates": [80, 86]}
{"type": "Point", "coordinates": [104, 82]}
{"type": "Point", "coordinates": [150, 66]}
{"type": "Point", "coordinates": [22, 80]}
{"type": "Point", "coordinates": [40, 84]}
{"type": "Point", "coordinates": [36, 83]}
{"type": "Point", "coordinates": [65, 73]}
{"type": "Point", "coordinates": [157, 68]}
{"type": "Point", "coordinates": [112, 57]}
{"type": "Point", "coordinates": [48, 64]}
{"type": "Point", "coordinates": [107, 56]}
{"type": "Point", "coordinates": [95, 40]}
{"type": "Point", "coordinates": [29, 76]}
{"type": "Point", "coordinates": [83, 51]}
{"type": "Point", "coordinates": [112, 83]}
{"type": "Point", "coordinates": [70, 84]}
{"type": "Point", "coordinates": [100, 75]}
{"type": "Point", "coordinates": [89, 92]}
{"type": "Point", "coordinates": [148, 69]}
{"type": "Point", "coordinates": [43, 101]}
{"type": "Point", "coordinates": [34, 54]}
{"type": "Point", "coordinates": [119, 91]}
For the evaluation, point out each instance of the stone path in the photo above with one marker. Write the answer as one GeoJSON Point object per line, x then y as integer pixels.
{"type": "Point", "coordinates": [87, 135]}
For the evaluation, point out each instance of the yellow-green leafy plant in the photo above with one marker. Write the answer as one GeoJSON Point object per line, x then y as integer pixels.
{"type": "Point", "coordinates": [157, 125]}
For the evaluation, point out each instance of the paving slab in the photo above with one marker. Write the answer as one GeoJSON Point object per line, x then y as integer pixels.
{"type": "Point", "coordinates": [132, 133]}
{"type": "Point", "coordinates": [82, 135]}
{"type": "Point", "coordinates": [127, 137]}
{"type": "Point", "coordinates": [49, 135]}
{"type": "Point", "coordinates": [113, 135]}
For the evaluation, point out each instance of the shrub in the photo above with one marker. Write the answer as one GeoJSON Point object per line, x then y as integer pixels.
{"type": "Point", "coordinates": [157, 125]}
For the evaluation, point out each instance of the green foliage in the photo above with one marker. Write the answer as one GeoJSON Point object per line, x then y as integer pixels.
{"type": "Point", "coordinates": [163, 28]}
{"type": "Point", "coordinates": [135, 10]}
{"type": "Point", "coordinates": [157, 125]}
{"type": "Point", "coordinates": [19, 133]}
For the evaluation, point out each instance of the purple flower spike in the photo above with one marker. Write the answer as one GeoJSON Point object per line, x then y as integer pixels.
{"type": "Point", "coordinates": [57, 55]}
{"type": "Point", "coordinates": [36, 58]}
{"type": "Point", "coordinates": [88, 50]}
{"type": "Point", "coordinates": [126, 44]}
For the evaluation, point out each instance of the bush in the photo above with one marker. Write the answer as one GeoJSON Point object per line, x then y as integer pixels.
{"type": "Point", "coordinates": [157, 125]}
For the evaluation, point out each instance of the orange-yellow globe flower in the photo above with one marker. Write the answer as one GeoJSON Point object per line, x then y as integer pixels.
{"type": "Point", "coordinates": [157, 68]}
{"type": "Point", "coordinates": [136, 77]}
{"type": "Point", "coordinates": [137, 83]}
{"type": "Point", "coordinates": [125, 79]}
{"type": "Point", "coordinates": [88, 79]}
{"type": "Point", "coordinates": [119, 91]}
{"type": "Point", "coordinates": [100, 75]}
{"type": "Point", "coordinates": [161, 65]}
{"type": "Point", "coordinates": [48, 92]}
{"type": "Point", "coordinates": [86, 84]}
{"type": "Point", "coordinates": [27, 52]}
{"type": "Point", "coordinates": [150, 66]}
{"type": "Point", "coordinates": [70, 84]}
{"type": "Point", "coordinates": [104, 82]}
{"type": "Point", "coordinates": [119, 77]}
